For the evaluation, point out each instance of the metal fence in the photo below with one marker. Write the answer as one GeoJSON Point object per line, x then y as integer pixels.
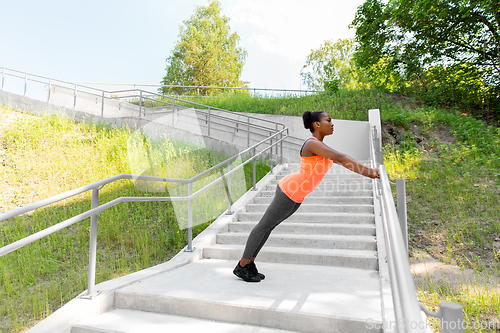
{"type": "Point", "coordinates": [275, 140]}
{"type": "Point", "coordinates": [406, 305]}
{"type": "Point", "coordinates": [23, 78]}
{"type": "Point", "coordinates": [130, 103]}
{"type": "Point", "coordinates": [196, 89]}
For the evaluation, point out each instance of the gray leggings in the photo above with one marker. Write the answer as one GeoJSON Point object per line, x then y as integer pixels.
{"type": "Point", "coordinates": [279, 210]}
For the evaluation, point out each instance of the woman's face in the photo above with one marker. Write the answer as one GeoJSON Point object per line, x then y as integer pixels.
{"type": "Point", "coordinates": [325, 124]}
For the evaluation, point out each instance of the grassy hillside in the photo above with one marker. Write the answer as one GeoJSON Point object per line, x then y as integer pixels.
{"type": "Point", "coordinates": [44, 156]}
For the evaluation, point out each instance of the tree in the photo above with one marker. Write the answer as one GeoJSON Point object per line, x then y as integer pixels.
{"type": "Point", "coordinates": [207, 53]}
{"type": "Point", "coordinates": [409, 37]}
{"type": "Point", "coordinates": [333, 67]}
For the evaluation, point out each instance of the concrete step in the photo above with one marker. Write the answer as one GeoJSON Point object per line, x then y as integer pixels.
{"type": "Point", "coordinates": [130, 321]}
{"type": "Point", "coordinates": [346, 242]}
{"type": "Point", "coordinates": [335, 185]}
{"type": "Point", "coordinates": [339, 183]}
{"type": "Point", "coordinates": [331, 185]}
{"type": "Point", "coordinates": [360, 259]}
{"type": "Point", "coordinates": [316, 217]}
{"type": "Point", "coordinates": [333, 176]}
{"type": "Point", "coordinates": [317, 208]}
{"type": "Point", "coordinates": [328, 200]}
{"type": "Point", "coordinates": [330, 190]}
{"type": "Point", "coordinates": [305, 298]}
{"type": "Point", "coordinates": [335, 169]}
{"type": "Point", "coordinates": [309, 228]}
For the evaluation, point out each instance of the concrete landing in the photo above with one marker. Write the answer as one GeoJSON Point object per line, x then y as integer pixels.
{"type": "Point", "coordinates": [128, 321]}
{"type": "Point", "coordinates": [311, 298]}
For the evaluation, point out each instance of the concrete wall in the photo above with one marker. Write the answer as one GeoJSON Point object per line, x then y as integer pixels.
{"type": "Point", "coordinates": [92, 103]}
{"type": "Point", "coordinates": [349, 137]}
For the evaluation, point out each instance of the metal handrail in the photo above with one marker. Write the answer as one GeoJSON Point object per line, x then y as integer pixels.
{"type": "Point", "coordinates": [138, 93]}
{"type": "Point", "coordinates": [198, 87]}
{"type": "Point", "coordinates": [403, 287]}
{"type": "Point", "coordinates": [97, 209]}
{"type": "Point", "coordinates": [407, 307]}
{"type": "Point", "coordinates": [144, 95]}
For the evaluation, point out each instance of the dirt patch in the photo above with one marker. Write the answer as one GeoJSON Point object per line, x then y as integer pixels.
{"type": "Point", "coordinates": [394, 135]}
{"type": "Point", "coordinates": [431, 274]}
{"type": "Point", "coordinates": [427, 269]}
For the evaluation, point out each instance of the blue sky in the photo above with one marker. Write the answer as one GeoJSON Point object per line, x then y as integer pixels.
{"type": "Point", "coordinates": [128, 41]}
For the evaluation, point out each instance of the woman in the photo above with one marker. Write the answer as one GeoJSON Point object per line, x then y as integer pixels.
{"type": "Point", "coordinates": [316, 159]}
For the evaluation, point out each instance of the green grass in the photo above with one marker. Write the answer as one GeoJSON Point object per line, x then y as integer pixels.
{"type": "Point", "coordinates": [346, 104]}
{"type": "Point", "coordinates": [452, 169]}
{"type": "Point", "coordinates": [44, 156]}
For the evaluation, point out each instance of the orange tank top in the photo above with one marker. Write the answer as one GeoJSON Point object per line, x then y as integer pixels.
{"type": "Point", "coordinates": [299, 184]}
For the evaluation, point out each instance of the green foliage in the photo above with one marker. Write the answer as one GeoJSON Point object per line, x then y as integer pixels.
{"type": "Point", "coordinates": [414, 42]}
{"type": "Point", "coordinates": [345, 104]}
{"type": "Point", "coordinates": [333, 67]}
{"type": "Point", "coordinates": [206, 54]}
{"type": "Point", "coordinates": [332, 86]}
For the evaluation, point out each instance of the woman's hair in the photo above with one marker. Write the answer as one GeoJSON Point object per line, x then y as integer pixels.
{"type": "Point", "coordinates": [310, 117]}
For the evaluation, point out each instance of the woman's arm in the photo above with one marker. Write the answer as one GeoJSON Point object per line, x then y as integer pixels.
{"type": "Point", "coordinates": [320, 149]}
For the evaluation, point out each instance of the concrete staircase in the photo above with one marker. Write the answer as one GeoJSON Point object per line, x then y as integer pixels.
{"type": "Point", "coordinates": [321, 271]}
{"type": "Point", "coordinates": [335, 226]}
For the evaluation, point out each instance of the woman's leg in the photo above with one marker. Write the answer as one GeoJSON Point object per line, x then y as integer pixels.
{"type": "Point", "coordinates": [280, 208]}
{"type": "Point", "coordinates": [264, 240]}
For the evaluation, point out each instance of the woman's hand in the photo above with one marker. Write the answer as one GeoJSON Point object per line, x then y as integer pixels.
{"type": "Point", "coordinates": [374, 174]}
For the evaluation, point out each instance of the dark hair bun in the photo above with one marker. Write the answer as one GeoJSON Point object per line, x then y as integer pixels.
{"type": "Point", "coordinates": [306, 118]}
{"type": "Point", "coordinates": [310, 117]}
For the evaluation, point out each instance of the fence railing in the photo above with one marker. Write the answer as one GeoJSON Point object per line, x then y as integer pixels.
{"type": "Point", "coordinates": [407, 308]}
{"type": "Point", "coordinates": [274, 140]}
{"type": "Point", "coordinates": [196, 89]}
{"type": "Point", "coordinates": [116, 104]}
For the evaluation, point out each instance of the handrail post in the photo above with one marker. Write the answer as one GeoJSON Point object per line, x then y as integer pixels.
{"type": "Point", "coordinates": [276, 140]}
{"type": "Point", "coordinates": [281, 148]}
{"type": "Point", "coordinates": [173, 111]}
{"type": "Point", "coordinates": [208, 121]}
{"type": "Point", "coordinates": [401, 209]}
{"type": "Point", "coordinates": [48, 94]}
{"type": "Point", "coordinates": [102, 105]}
{"type": "Point", "coordinates": [92, 245]}
{"type": "Point", "coordinates": [271, 154]}
{"type": "Point", "coordinates": [3, 76]}
{"type": "Point", "coordinates": [74, 99]}
{"type": "Point", "coordinates": [248, 131]}
{"type": "Point", "coordinates": [229, 212]}
{"type": "Point", "coordinates": [254, 188]}
{"type": "Point", "coordinates": [190, 219]}
{"type": "Point", "coordinates": [25, 83]}
{"type": "Point", "coordinates": [140, 103]}
{"type": "Point", "coordinates": [450, 315]}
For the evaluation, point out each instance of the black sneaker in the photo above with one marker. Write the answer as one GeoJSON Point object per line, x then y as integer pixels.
{"type": "Point", "coordinates": [245, 273]}
{"type": "Point", "coordinates": [253, 269]}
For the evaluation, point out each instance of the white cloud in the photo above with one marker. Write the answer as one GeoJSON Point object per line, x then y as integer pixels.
{"type": "Point", "coordinates": [291, 28]}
